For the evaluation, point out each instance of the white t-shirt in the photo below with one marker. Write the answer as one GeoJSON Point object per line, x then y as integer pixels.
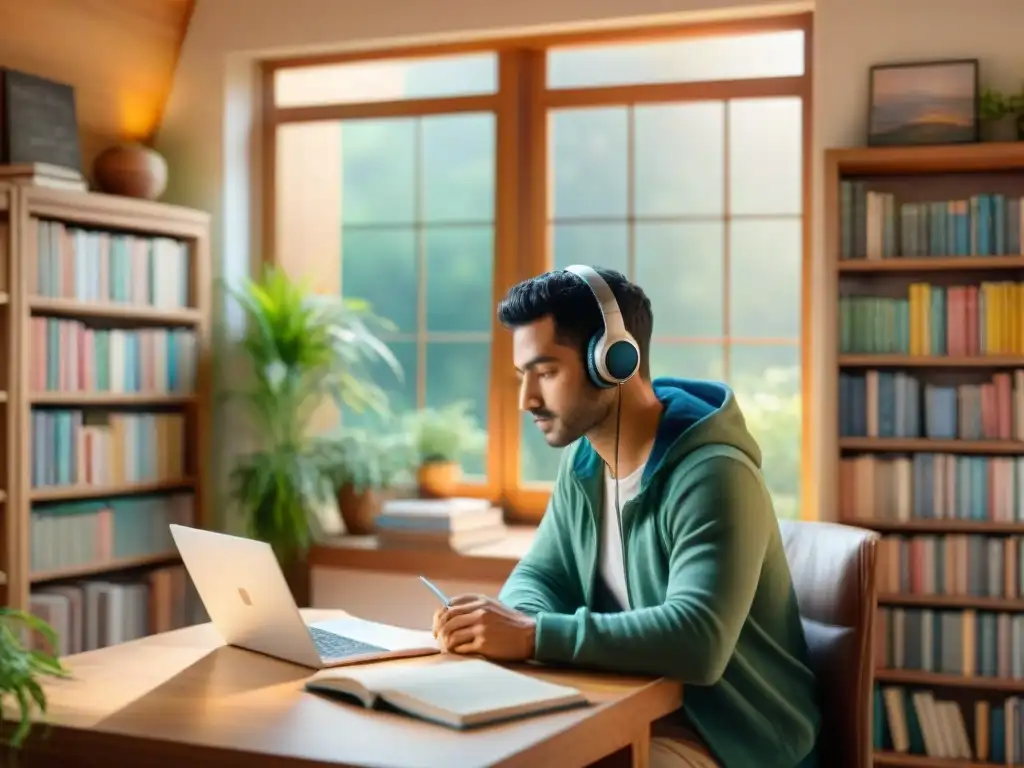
{"type": "Point", "coordinates": [613, 570]}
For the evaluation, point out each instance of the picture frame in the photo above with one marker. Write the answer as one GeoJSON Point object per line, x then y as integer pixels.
{"type": "Point", "coordinates": [922, 103]}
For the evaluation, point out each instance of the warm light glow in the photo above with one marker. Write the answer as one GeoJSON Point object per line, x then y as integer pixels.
{"type": "Point", "coordinates": [138, 115]}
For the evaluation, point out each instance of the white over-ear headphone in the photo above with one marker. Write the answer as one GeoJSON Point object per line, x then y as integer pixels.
{"type": "Point", "coordinates": [612, 354]}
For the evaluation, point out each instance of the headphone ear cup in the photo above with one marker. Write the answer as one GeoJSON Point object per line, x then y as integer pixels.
{"type": "Point", "coordinates": [621, 359]}
{"type": "Point", "coordinates": [592, 372]}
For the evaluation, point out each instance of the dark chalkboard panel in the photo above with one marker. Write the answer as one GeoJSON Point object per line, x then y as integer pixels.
{"type": "Point", "coordinates": [38, 123]}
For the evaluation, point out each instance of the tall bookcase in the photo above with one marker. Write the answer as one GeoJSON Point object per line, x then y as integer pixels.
{"type": "Point", "coordinates": [104, 328]}
{"type": "Point", "coordinates": [927, 252]}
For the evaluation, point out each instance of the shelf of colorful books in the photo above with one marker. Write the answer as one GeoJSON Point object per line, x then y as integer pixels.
{"type": "Point", "coordinates": [900, 760]}
{"type": "Point", "coordinates": [932, 264]}
{"type": "Point", "coordinates": [935, 680]}
{"type": "Point", "coordinates": [984, 603]}
{"type": "Point", "coordinates": [930, 361]}
{"type": "Point", "coordinates": [936, 525]}
{"type": "Point", "coordinates": [116, 565]}
{"type": "Point", "coordinates": [931, 445]}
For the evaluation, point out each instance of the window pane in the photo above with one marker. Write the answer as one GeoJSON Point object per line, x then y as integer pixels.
{"type": "Point", "coordinates": [765, 259]}
{"type": "Point", "coordinates": [386, 80]}
{"type": "Point", "coordinates": [765, 156]}
{"type": "Point", "coordinates": [680, 159]}
{"type": "Point", "coordinates": [687, 361]}
{"type": "Point", "coordinates": [680, 267]}
{"type": "Point", "coordinates": [538, 460]}
{"type": "Point", "coordinates": [588, 160]}
{"type": "Point", "coordinates": [694, 59]}
{"type": "Point", "coordinates": [597, 244]}
{"type": "Point", "coordinates": [461, 371]}
{"type": "Point", "coordinates": [307, 203]}
{"type": "Point", "coordinates": [458, 168]}
{"type": "Point", "coordinates": [459, 275]}
{"type": "Point", "coordinates": [766, 380]}
{"type": "Point", "coordinates": [401, 390]}
{"type": "Point", "coordinates": [379, 265]}
{"type": "Point", "coordinates": [378, 171]}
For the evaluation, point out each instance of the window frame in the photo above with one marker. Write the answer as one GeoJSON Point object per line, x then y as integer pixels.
{"type": "Point", "coordinates": [521, 105]}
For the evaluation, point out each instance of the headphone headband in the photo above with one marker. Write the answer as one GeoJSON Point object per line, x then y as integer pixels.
{"type": "Point", "coordinates": [612, 355]}
{"type": "Point", "coordinates": [610, 312]}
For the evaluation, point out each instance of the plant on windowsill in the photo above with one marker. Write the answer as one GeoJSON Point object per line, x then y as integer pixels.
{"type": "Point", "coordinates": [442, 437]}
{"type": "Point", "coordinates": [305, 352]}
{"type": "Point", "coordinates": [371, 466]}
{"type": "Point", "coordinates": [21, 668]}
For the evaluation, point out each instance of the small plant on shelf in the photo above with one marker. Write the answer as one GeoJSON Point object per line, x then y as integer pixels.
{"type": "Point", "coordinates": [21, 668]}
{"type": "Point", "coordinates": [996, 108]}
{"type": "Point", "coordinates": [371, 466]}
{"type": "Point", "coordinates": [306, 352]}
{"type": "Point", "coordinates": [442, 437]}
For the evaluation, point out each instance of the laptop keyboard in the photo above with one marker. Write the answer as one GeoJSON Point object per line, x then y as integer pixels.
{"type": "Point", "coordinates": [334, 646]}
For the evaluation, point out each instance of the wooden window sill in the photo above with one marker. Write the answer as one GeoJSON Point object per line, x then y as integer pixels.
{"type": "Point", "coordinates": [492, 562]}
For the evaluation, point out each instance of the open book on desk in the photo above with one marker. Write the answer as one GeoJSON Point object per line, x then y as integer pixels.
{"type": "Point", "coordinates": [459, 694]}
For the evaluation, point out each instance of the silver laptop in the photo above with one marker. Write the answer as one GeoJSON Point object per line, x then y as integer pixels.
{"type": "Point", "coordinates": [248, 600]}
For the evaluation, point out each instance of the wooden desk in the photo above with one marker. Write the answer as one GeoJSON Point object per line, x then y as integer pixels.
{"type": "Point", "coordinates": [184, 699]}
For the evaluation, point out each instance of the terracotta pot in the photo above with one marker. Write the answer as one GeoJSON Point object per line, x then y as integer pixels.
{"type": "Point", "coordinates": [131, 170]}
{"type": "Point", "coordinates": [438, 479]}
{"type": "Point", "coordinates": [359, 509]}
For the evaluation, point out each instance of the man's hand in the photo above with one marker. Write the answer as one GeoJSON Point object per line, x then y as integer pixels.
{"type": "Point", "coordinates": [478, 624]}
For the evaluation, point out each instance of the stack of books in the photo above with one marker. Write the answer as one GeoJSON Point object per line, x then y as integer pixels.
{"type": "Point", "coordinates": [43, 175]}
{"type": "Point", "coordinates": [450, 524]}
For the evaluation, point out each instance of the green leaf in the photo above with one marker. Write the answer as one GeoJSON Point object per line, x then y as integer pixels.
{"type": "Point", "coordinates": [303, 350]}
{"type": "Point", "coordinates": [21, 667]}
{"type": "Point", "coordinates": [445, 434]}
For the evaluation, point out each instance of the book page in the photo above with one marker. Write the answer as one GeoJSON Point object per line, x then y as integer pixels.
{"type": "Point", "coordinates": [462, 688]}
{"type": "Point", "coordinates": [386, 636]}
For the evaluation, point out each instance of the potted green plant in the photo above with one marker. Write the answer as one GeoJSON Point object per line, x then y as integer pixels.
{"type": "Point", "coordinates": [442, 437]}
{"type": "Point", "coordinates": [304, 350]}
{"type": "Point", "coordinates": [371, 465]}
{"type": "Point", "coordinates": [21, 668]}
{"type": "Point", "coordinates": [1002, 115]}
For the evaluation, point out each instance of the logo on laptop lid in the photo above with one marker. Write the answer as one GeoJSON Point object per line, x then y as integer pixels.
{"type": "Point", "coordinates": [244, 594]}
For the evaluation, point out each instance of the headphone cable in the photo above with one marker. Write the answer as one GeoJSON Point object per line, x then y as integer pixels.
{"type": "Point", "coordinates": [618, 423]}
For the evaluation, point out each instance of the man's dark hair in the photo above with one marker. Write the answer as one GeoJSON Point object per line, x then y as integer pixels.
{"type": "Point", "coordinates": [575, 311]}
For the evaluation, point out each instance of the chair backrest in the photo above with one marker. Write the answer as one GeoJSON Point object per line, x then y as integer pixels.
{"type": "Point", "coordinates": [833, 570]}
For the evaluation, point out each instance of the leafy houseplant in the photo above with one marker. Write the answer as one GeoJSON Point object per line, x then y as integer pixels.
{"type": "Point", "coordinates": [441, 438]}
{"type": "Point", "coordinates": [370, 465]}
{"type": "Point", "coordinates": [995, 107]}
{"type": "Point", "coordinates": [305, 351]}
{"type": "Point", "coordinates": [21, 668]}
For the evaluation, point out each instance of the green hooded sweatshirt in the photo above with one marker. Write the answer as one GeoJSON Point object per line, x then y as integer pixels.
{"type": "Point", "coordinates": [711, 598]}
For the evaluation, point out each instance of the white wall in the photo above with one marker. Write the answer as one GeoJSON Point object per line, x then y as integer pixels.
{"type": "Point", "coordinates": [210, 144]}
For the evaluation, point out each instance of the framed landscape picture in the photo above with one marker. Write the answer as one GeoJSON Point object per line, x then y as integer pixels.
{"type": "Point", "coordinates": [931, 102]}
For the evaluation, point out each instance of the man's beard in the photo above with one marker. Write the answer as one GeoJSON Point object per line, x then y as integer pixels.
{"type": "Point", "coordinates": [569, 428]}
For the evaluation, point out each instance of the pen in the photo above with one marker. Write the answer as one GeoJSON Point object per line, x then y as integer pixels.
{"type": "Point", "coordinates": [440, 595]}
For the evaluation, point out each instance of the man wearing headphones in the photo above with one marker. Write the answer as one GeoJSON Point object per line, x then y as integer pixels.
{"type": "Point", "coordinates": [660, 552]}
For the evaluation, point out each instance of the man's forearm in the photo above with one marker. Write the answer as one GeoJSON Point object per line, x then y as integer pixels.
{"type": "Point", "coordinates": [530, 591]}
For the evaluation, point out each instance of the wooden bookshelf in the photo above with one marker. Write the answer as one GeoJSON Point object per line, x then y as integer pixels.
{"type": "Point", "coordinates": [104, 403]}
{"type": "Point", "coordinates": [928, 442]}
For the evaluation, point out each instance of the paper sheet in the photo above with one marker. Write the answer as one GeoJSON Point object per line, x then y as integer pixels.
{"type": "Point", "coordinates": [385, 636]}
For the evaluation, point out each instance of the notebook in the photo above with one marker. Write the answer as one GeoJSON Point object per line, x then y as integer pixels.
{"type": "Point", "coordinates": [459, 694]}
